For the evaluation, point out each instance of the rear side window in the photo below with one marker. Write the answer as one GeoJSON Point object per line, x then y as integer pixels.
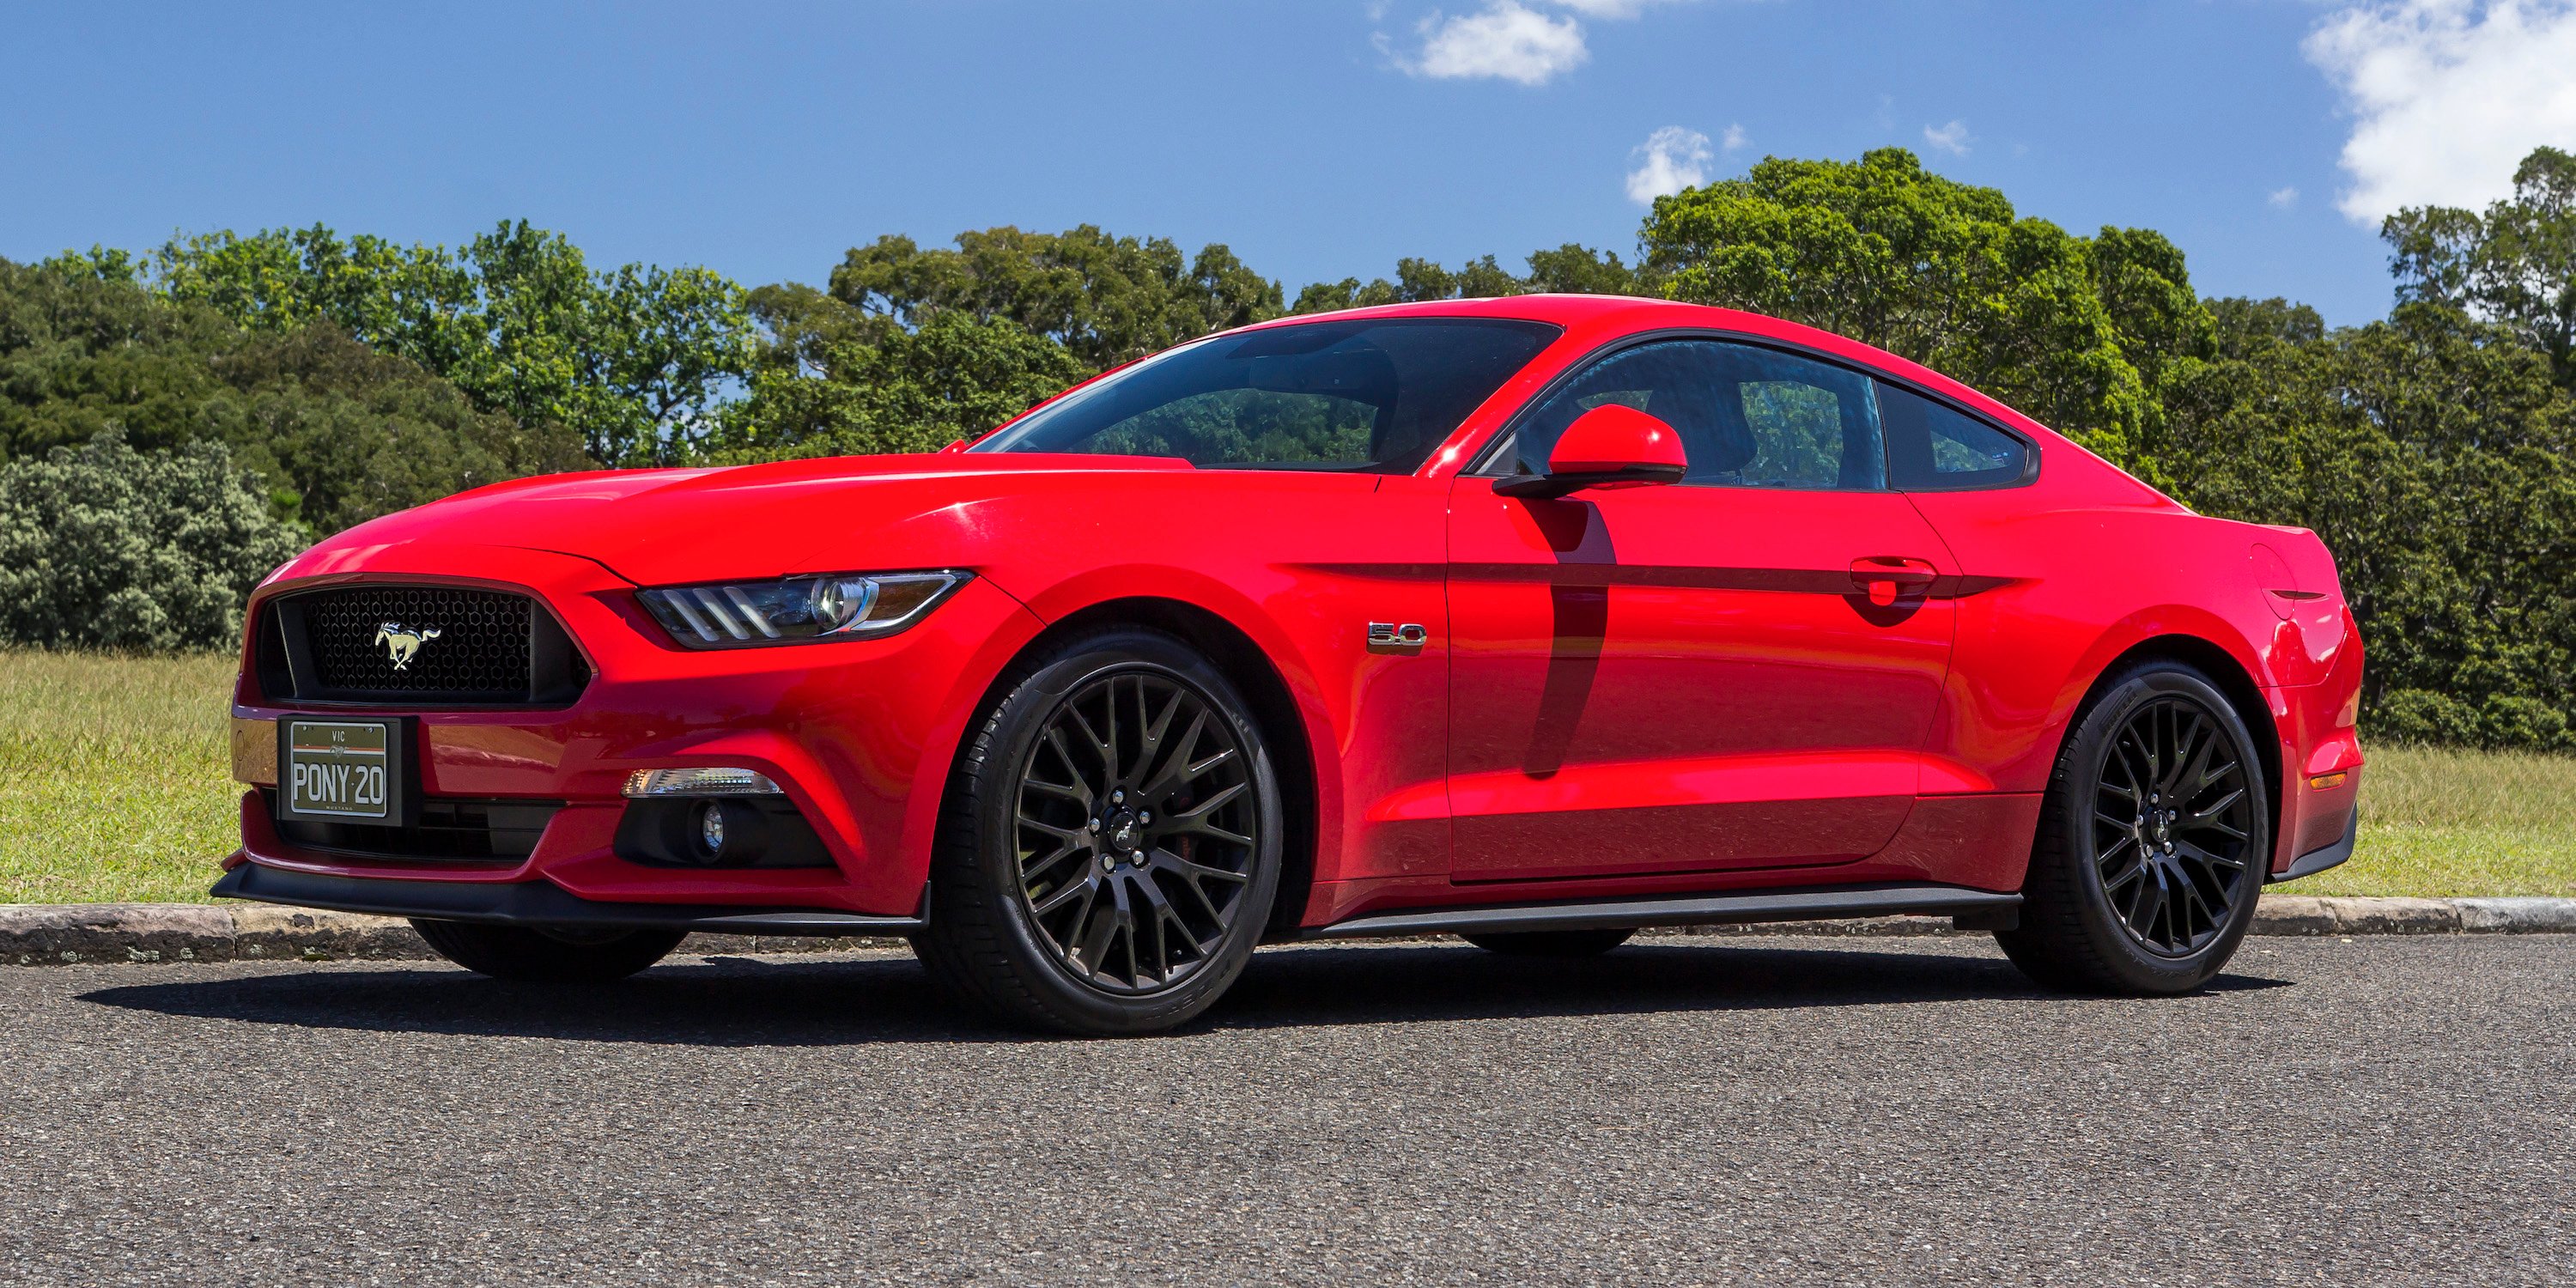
{"type": "Point", "coordinates": [1747, 416]}
{"type": "Point", "coordinates": [1932, 447]}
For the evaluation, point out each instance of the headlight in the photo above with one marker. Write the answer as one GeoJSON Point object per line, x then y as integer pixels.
{"type": "Point", "coordinates": [798, 610]}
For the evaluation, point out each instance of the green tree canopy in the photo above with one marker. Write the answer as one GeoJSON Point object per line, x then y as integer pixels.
{"type": "Point", "coordinates": [635, 360]}
{"type": "Point", "coordinates": [1106, 299]}
{"type": "Point", "coordinates": [2515, 265]}
{"type": "Point", "coordinates": [833, 379]}
{"type": "Point", "coordinates": [337, 432]}
{"type": "Point", "coordinates": [1942, 272]}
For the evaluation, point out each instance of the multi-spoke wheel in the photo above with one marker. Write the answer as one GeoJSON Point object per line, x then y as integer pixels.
{"type": "Point", "coordinates": [2152, 843]}
{"type": "Point", "coordinates": [2169, 826]}
{"type": "Point", "coordinates": [1111, 845]}
{"type": "Point", "coordinates": [1136, 821]}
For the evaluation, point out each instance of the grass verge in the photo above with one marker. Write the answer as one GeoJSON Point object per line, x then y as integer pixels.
{"type": "Point", "coordinates": [115, 777]}
{"type": "Point", "coordinates": [116, 786]}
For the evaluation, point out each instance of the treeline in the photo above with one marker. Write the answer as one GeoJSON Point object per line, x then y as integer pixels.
{"type": "Point", "coordinates": [320, 380]}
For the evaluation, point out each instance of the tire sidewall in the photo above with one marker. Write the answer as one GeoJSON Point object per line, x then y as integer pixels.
{"type": "Point", "coordinates": [1020, 719]}
{"type": "Point", "coordinates": [2138, 967]}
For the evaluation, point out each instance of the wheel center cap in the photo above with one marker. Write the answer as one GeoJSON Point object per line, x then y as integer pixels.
{"type": "Point", "coordinates": [1123, 832]}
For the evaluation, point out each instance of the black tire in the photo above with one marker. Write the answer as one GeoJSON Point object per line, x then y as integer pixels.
{"type": "Point", "coordinates": [1031, 842]}
{"type": "Point", "coordinates": [1550, 943]}
{"type": "Point", "coordinates": [2149, 856]}
{"type": "Point", "coordinates": [529, 955]}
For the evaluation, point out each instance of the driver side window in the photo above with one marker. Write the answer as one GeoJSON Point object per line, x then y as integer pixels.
{"type": "Point", "coordinates": [1746, 416]}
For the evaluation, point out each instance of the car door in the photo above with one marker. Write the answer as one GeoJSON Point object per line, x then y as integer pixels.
{"type": "Point", "coordinates": [1736, 671]}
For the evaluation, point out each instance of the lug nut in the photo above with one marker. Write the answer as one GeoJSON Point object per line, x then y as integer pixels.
{"type": "Point", "coordinates": [1118, 796]}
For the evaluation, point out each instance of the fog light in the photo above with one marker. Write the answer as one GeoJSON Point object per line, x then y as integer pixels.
{"type": "Point", "coordinates": [711, 828]}
{"type": "Point", "coordinates": [714, 781]}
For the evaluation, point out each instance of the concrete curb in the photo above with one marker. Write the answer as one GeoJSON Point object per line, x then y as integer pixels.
{"type": "Point", "coordinates": [40, 934]}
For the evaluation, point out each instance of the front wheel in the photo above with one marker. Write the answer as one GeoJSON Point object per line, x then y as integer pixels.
{"type": "Point", "coordinates": [2152, 841]}
{"type": "Point", "coordinates": [1111, 843]}
{"type": "Point", "coordinates": [560, 955]}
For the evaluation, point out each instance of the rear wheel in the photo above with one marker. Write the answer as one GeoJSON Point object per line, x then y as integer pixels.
{"type": "Point", "coordinates": [2152, 841]}
{"type": "Point", "coordinates": [1550, 943]}
{"type": "Point", "coordinates": [1112, 843]}
{"type": "Point", "coordinates": [559, 955]}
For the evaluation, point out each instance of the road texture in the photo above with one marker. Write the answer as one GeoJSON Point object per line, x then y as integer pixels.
{"type": "Point", "coordinates": [2369, 1110]}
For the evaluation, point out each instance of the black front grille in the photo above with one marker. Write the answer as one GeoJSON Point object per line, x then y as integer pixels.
{"type": "Point", "coordinates": [450, 828]}
{"type": "Point", "coordinates": [417, 645]}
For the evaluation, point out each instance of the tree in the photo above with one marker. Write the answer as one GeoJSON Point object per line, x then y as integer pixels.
{"type": "Point", "coordinates": [1106, 299]}
{"type": "Point", "coordinates": [1941, 272]}
{"type": "Point", "coordinates": [2515, 265]}
{"type": "Point", "coordinates": [102, 546]}
{"type": "Point", "coordinates": [1576, 269]}
{"type": "Point", "coordinates": [338, 433]}
{"type": "Point", "coordinates": [635, 360]}
{"type": "Point", "coordinates": [833, 379]}
{"type": "Point", "coordinates": [2430, 451]}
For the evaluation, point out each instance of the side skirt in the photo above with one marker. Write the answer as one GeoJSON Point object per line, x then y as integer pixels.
{"type": "Point", "coordinates": [1974, 909]}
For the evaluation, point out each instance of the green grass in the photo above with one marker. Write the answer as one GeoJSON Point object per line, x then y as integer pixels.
{"type": "Point", "coordinates": [2439, 822]}
{"type": "Point", "coordinates": [116, 785]}
{"type": "Point", "coordinates": [115, 777]}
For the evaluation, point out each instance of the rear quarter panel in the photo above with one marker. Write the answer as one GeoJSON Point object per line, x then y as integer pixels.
{"type": "Point", "coordinates": [2092, 565]}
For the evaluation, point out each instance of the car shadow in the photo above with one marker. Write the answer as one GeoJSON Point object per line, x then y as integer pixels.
{"type": "Point", "coordinates": [756, 1002]}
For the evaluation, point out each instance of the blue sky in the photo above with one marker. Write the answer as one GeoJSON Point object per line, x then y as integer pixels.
{"type": "Point", "coordinates": [1319, 139]}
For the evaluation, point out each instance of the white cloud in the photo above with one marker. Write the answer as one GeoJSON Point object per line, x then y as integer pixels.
{"type": "Point", "coordinates": [1504, 41]}
{"type": "Point", "coordinates": [1951, 138]}
{"type": "Point", "coordinates": [2447, 96]}
{"type": "Point", "coordinates": [2283, 198]}
{"type": "Point", "coordinates": [1734, 138]}
{"type": "Point", "coordinates": [1508, 39]}
{"type": "Point", "coordinates": [1675, 159]}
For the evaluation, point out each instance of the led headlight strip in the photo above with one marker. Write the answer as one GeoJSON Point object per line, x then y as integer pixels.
{"type": "Point", "coordinates": [798, 610]}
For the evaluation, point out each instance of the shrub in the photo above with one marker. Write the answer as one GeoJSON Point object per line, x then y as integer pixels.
{"type": "Point", "coordinates": [103, 546]}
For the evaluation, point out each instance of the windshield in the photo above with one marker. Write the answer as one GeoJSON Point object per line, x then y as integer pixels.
{"type": "Point", "coordinates": [1365, 395]}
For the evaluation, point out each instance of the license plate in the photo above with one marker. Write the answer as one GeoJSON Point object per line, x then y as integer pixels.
{"type": "Point", "coordinates": [345, 771]}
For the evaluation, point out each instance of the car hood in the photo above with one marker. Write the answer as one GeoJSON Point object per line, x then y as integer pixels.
{"type": "Point", "coordinates": [666, 527]}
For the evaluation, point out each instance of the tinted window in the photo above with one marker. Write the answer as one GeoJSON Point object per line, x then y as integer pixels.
{"type": "Point", "coordinates": [1932, 447]}
{"type": "Point", "coordinates": [1372, 395]}
{"type": "Point", "coordinates": [1747, 416]}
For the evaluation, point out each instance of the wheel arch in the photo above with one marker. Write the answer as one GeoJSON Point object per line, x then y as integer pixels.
{"type": "Point", "coordinates": [1252, 671]}
{"type": "Point", "coordinates": [2234, 681]}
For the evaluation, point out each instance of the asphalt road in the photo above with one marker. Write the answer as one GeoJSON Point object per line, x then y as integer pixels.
{"type": "Point", "coordinates": [1735, 1110]}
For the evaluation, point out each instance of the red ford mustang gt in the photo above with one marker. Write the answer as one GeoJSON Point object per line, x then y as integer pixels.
{"type": "Point", "coordinates": [1533, 620]}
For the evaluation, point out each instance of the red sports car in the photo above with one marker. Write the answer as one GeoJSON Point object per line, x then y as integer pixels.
{"type": "Point", "coordinates": [1533, 620]}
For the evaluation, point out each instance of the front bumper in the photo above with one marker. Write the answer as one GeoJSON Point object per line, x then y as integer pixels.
{"type": "Point", "coordinates": [859, 735]}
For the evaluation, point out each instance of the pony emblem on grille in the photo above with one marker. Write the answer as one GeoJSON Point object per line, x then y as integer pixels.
{"type": "Point", "coordinates": [402, 644]}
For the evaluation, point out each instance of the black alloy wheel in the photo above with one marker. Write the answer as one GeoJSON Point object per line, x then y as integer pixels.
{"type": "Point", "coordinates": [2170, 826]}
{"type": "Point", "coordinates": [1111, 841]}
{"type": "Point", "coordinates": [2153, 840]}
{"type": "Point", "coordinates": [1135, 826]}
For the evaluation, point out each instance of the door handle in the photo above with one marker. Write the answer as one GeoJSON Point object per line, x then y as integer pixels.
{"type": "Point", "coordinates": [1893, 568]}
{"type": "Point", "coordinates": [1886, 577]}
